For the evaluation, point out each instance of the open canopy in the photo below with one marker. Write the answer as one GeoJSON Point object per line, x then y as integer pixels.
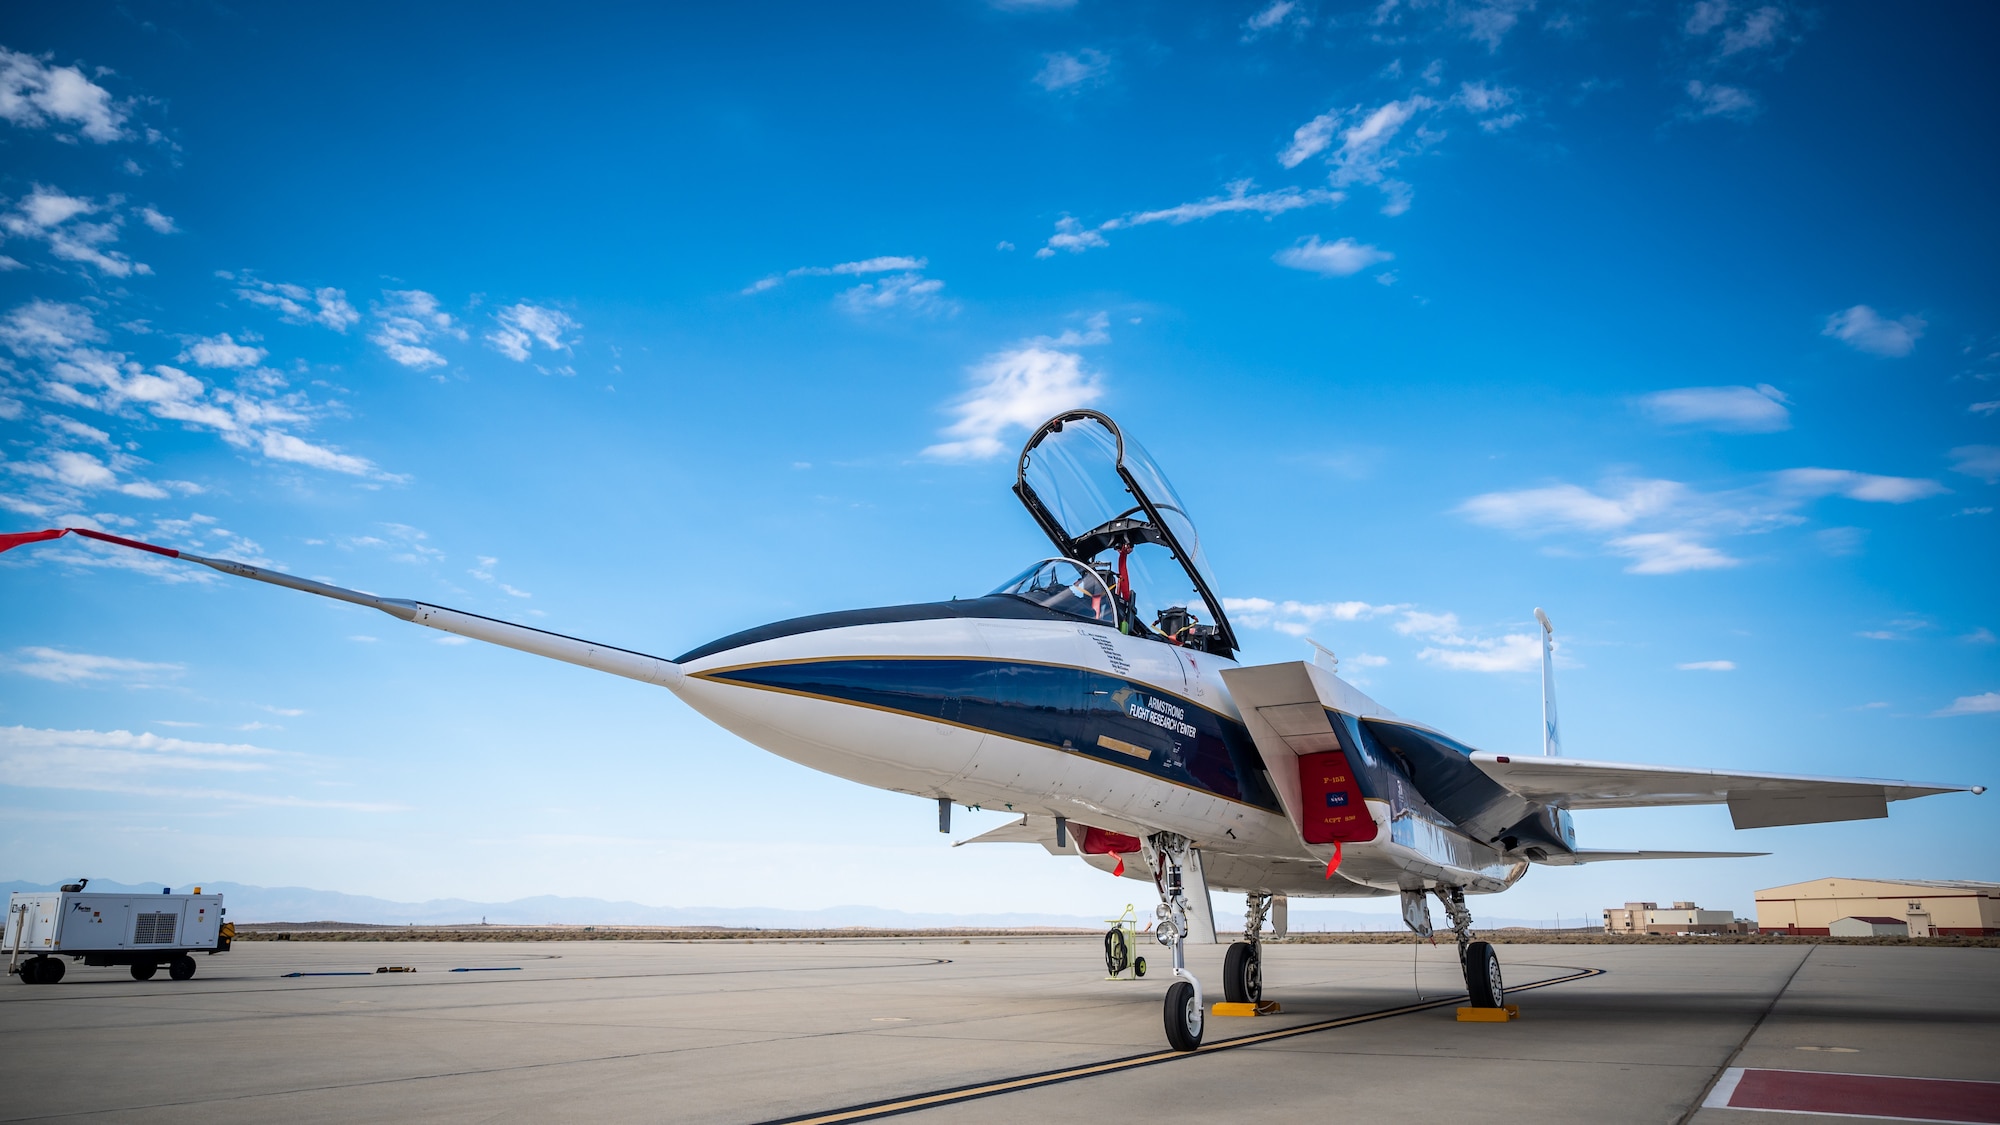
{"type": "Point", "coordinates": [1095, 491]}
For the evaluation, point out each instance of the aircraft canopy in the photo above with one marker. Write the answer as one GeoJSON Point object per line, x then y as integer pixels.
{"type": "Point", "coordinates": [1093, 490]}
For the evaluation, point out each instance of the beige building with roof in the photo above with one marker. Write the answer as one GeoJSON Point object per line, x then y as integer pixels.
{"type": "Point", "coordinates": [1930, 907]}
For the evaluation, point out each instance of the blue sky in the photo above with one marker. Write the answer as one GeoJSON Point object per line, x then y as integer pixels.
{"type": "Point", "coordinates": [1676, 320]}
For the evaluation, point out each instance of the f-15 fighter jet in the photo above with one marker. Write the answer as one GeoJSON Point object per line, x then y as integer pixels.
{"type": "Point", "coordinates": [1098, 693]}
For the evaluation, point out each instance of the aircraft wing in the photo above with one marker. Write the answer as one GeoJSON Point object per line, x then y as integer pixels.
{"type": "Point", "coordinates": [1755, 800]}
{"type": "Point", "coordinates": [1601, 855]}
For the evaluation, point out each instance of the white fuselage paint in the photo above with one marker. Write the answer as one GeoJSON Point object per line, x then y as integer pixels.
{"type": "Point", "coordinates": [1247, 847]}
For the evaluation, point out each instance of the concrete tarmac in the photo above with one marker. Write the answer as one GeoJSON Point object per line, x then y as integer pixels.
{"type": "Point", "coordinates": [617, 1031]}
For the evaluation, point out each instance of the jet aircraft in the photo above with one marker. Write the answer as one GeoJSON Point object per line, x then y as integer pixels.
{"type": "Point", "coordinates": [1097, 693]}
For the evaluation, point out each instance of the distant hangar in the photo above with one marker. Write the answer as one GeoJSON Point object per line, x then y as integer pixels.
{"type": "Point", "coordinates": [1928, 907]}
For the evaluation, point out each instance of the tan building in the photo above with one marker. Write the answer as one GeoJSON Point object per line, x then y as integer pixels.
{"type": "Point", "coordinates": [1681, 918]}
{"type": "Point", "coordinates": [1930, 907]}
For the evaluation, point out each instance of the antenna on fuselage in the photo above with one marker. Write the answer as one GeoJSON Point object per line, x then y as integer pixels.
{"type": "Point", "coordinates": [1551, 738]}
{"type": "Point", "coordinates": [1324, 656]}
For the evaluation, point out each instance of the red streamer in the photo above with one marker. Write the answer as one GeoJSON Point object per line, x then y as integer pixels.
{"type": "Point", "coordinates": [13, 539]}
{"type": "Point", "coordinates": [1334, 863]}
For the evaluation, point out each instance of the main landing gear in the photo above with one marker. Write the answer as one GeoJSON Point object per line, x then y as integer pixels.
{"type": "Point", "coordinates": [1243, 965]}
{"type": "Point", "coordinates": [1483, 986]}
{"type": "Point", "coordinates": [1184, 1009]}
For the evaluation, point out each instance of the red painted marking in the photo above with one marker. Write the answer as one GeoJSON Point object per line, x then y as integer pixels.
{"type": "Point", "coordinates": [1929, 1099]}
{"type": "Point", "coordinates": [123, 542]}
{"type": "Point", "coordinates": [1331, 808]}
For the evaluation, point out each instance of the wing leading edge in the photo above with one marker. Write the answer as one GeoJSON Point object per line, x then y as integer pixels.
{"type": "Point", "coordinates": [1755, 800]}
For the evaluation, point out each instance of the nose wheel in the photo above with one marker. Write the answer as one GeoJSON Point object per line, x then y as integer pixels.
{"type": "Point", "coordinates": [1184, 1016]}
{"type": "Point", "coordinates": [1184, 1009]}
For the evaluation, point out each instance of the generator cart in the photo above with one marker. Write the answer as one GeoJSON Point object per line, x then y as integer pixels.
{"type": "Point", "coordinates": [141, 931]}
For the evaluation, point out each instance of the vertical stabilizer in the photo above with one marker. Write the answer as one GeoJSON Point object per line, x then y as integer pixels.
{"type": "Point", "coordinates": [1551, 738]}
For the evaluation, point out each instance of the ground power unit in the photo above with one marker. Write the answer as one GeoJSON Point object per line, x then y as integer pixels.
{"type": "Point", "coordinates": [140, 931]}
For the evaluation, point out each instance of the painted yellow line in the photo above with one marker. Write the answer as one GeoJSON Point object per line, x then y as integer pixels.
{"type": "Point", "coordinates": [932, 1100]}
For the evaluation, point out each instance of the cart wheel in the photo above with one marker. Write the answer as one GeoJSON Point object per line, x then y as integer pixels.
{"type": "Point", "coordinates": [31, 971]}
{"type": "Point", "coordinates": [144, 971]}
{"type": "Point", "coordinates": [52, 970]}
{"type": "Point", "coordinates": [1138, 966]}
{"type": "Point", "coordinates": [181, 967]}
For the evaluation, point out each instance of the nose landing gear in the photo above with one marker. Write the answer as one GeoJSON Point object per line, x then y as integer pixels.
{"type": "Point", "coordinates": [1184, 1011]}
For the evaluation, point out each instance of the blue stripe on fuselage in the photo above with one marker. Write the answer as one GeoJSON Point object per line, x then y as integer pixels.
{"type": "Point", "coordinates": [1107, 718]}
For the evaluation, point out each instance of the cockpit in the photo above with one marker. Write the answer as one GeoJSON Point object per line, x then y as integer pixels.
{"type": "Point", "coordinates": [1129, 556]}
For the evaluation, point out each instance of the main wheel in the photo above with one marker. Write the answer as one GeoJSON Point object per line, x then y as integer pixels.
{"type": "Point", "coordinates": [1184, 1017]}
{"type": "Point", "coordinates": [1117, 952]}
{"type": "Point", "coordinates": [181, 967]}
{"type": "Point", "coordinates": [144, 970]}
{"type": "Point", "coordinates": [1243, 974]}
{"type": "Point", "coordinates": [1482, 976]}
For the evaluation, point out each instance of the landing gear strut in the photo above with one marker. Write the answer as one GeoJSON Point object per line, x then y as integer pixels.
{"type": "Point", "coordinates": [1184, 1010]}
{"type": "Point", "coordinates": [1483, 986]}
{"type": "Point", "coordinates": [1243, 965]}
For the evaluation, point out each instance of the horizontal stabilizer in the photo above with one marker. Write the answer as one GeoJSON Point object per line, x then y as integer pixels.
{"type": "Point", "coordinates": [1027, 830]}
{"type": "Point", "coordinates": [1755, 800]}
{"type": "Point", "coordinates": [1596, 855]}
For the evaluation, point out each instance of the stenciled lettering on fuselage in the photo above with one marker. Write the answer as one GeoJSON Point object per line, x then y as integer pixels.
{"type": "Point", "coordinates": [1108, 718]}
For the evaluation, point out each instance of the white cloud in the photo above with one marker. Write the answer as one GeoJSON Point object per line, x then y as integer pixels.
{"type": "Point", "coordinates": [58, 220]}
{"type": "Point", "coordinates": [1237, 198]}
{"type": "Point", "coordinates": [1982, 461]}
{"type": "Point", "coordinates": [1731, 410]}
{"type": "Point", "coordinates": [222, 351]}
{"type": "Point", "coordinates": [256, 415]}
{"type": "Point", "coordinates": [1986, 703]}
{"type": "Point", "coordinates": [1515, 652]}
{"type": "Point", "coordinates": [35, 95]}
{"type": "Point", "coordinates": [1708, 666]}
{"type": "Point", "coordinates": [1864, 329]}
{"type": "Point", "coordinates": [1758, 28]}
{"type": "Point", "coordinates": [1479, 97]}
{"type": "Point", "coordinates": [1858, 486]}
{"type": "Point", "coordinates": [160, 223]}
{"type": "Point", "coordinates": [1017, 389]}
{"type": "Point", "coordinates": [524, 325]}
{"type": "Point", "coordinates": [1065, 71]}
{"type": "Point", "coordinates": [1716, 100]}
{"type": "Point", "coordinates": [1295, 617]}
{"type": "Point", "coordinates": [325, 306]}
{"type": "Point", "coordinates": [120, 761]}
{"type": "Point", "coordinates": [1489, 21]}
{"type": "Point", "coordinates": [1568, 506]}
{"type": "Point", "coordinates": [1984, 407]}
{"type": "Point", "coordinates": [63, 667]}
{"type": "Point", "coordinates": [912, 292]}
{"type": "Point", "coordinates": [888, 263]}
{"type": "Point", "coordinates": [1273, 15]}
{"type": "Point", "coordinates": [1330, 259]}
{"type": "Point", "coordinates": [289, 447]}
{"type": "Point", "coordinates": [407, 324]}
{"type": "Point", "coordinates": [1669, 552]}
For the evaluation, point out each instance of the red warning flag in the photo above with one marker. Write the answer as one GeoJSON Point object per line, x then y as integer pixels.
{"type": "Point", "coordinates": [13, 539]}
{"type": "Point", "coordinates": [1120, 869]}
{"type": "Point", "coordinates": [1334, 863]}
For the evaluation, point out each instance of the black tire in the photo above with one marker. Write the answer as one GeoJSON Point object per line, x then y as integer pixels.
{"type": "Point", "coordinates": [1184, 1017]}
{"type": "Point", "coordinates": [52, 970]}
{"type": "Point", "coordinates": [1117, 951]}
{"type": "Point", "coordinates": [1483, 986]}
{"type": "Point", "coordinates": [144, 970]}
{"type": "Point", "coordinates": [1243, 974]}
{"type": "Point", "coordinates": [181, 967]}
{"type": "Point", "coordinates": [31, 971]}
{"type": "Point", "coordinates": [1138, 966]}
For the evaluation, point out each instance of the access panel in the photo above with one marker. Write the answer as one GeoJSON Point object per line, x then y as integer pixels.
{"type": "Point", "coordinates": [1331, 808]}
